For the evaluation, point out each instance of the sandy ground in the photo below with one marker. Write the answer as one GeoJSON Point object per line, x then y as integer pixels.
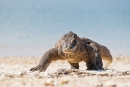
{"type": "Point", "coordinates": [14, 72]}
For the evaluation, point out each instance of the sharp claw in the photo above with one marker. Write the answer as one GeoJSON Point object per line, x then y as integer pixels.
{"type": "Point", "coordinates": [33, 69]}
{"type": "Point", "coordinates": [40, 68]}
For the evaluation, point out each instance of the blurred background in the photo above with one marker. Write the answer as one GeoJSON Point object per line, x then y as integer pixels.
{"type": "Point", "coordinates": [31, 27]}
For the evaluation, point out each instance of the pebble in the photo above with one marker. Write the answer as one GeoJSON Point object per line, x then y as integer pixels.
{"type": "Point", "coordinates": [49, 82]}
{"type": "Point", "coordinates": [64, 80]}
{"type": "Point", "coordinates": [110, 84]}
{"type": "Point", "coordinates": [62, 71]}
{"type": "Point", "coordinates": [127, 72]}
{"type": "Point", "coordinates": [75, 75]}
{"type": "Point", "coordinates": [23, 73]}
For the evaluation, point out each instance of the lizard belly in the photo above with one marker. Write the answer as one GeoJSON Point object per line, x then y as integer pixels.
{"type": "Point", "coordinates": [74, 59]}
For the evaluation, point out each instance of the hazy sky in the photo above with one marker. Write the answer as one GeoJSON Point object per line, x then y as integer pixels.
{"type": "Point", "coordinates": [38, 24]}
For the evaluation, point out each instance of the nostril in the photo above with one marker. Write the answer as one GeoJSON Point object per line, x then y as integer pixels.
{"type": "Point", "coordinates": [70, 47]}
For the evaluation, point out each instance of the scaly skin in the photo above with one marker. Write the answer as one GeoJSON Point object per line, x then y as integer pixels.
{"type": "Point", "coordinates": [104, 51]}
{"type": "Point", "coordinates": [75, 49]}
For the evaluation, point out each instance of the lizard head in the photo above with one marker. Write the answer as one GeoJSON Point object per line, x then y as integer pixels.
{"type": "Point", "coordinates": [70, 43]}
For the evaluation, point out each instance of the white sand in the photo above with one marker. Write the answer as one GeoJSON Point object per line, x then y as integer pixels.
{"type": "Point", "coordinates": [14, 72]}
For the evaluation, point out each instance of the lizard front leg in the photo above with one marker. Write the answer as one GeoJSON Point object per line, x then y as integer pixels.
{"type": "Point", "coordinates": [50, 55]}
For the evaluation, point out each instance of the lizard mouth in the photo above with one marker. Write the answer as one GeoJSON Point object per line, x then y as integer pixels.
{"type": "Point", "coordinates": [67, 53]}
